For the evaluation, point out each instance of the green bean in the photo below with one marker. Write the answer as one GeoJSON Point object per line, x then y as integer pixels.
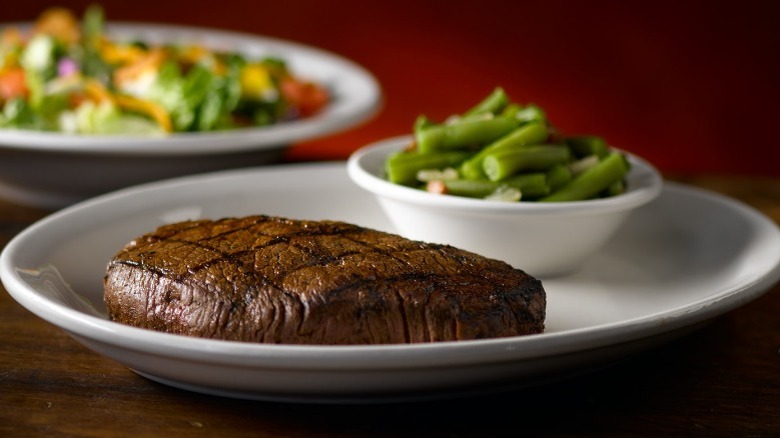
{"type": "Point", "coordinates": [585, 145]}
{"type": "Point", "coordinates": [469, 188]}
{"type": "Point", "coordinates": [527, 114]}
{"type": "Point", "coordinates": [616, 188]}
{"type": "Point", "coordinates": [533, 133]}
{"type": "Point", "coordinates": [591, 182]}
{"type": "Point", "coordinates": [531, 113]}
{"type": "Point", "coordinates": [422, 122]}
{"type": "Point", "coordinates": [493, 103]}
{"type": "Point", "coordinates": [578, 166]}
{"type": "Point", "coordinates": [499, 147]}
{"type": "Point", "coordinates": [558, 176]}
{"type": "Point", "coordinates": [511, 110]}
{"type": "Point", "coordinates": [402, 167]}
{"type": "Point", "coordinates": [530, 185]}
{"type": "Point", "coordinates": [506, 162]}
{"type": "Point", "coordinates": [463, 134]}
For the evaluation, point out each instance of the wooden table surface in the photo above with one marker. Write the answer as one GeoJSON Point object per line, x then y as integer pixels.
{"type": "Point", "coordinates": [723, 380]}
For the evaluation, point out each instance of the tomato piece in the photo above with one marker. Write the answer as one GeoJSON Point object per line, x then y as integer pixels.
{"type": "Point", "coordinates": [307, 97]}
{"type": "Point", "coordinates": [13, 84]}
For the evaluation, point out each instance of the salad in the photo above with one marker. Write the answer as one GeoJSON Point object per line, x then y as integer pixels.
{"type": "Point", "coordinates": [67, 76]}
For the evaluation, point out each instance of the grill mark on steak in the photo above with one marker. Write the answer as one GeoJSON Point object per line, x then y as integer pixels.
{"type": "Point", "coordinates": [307, 290]}
{"type": "Point", "coordinates": [235, 259]}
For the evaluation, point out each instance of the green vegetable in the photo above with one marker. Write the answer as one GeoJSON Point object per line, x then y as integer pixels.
{"type": "Point", "coordinates": [501, 152]}
{"type": "Point", "coordinates": [582, 146]}
{"type": "Point", "coordinates": [92, 24]}
{"type": "Point", "coordinates": [421, 123]}
{"type": "Point", "coordinates": [530, 134]}
{"type": "Point", "coordinates": [591, 182]}
{"type": "Point", "coordinates": [38, 56]}
{"type": "Point", "coordinates": [492, 104]}
{"type": "Point", "coordinates": [614, 189]}
{"type": "Point", "coordinates": [168, 91]}
{"type": "Point", "coordinates": [501, 164]}
{"type": "Point", "coordinates": [530, 185]}
{"type": "Point", "coordinates": [527, 114]}
{"type": "Point", "coordinates": [469, 188]}
{"type": "Point", "coordinates": [531, 114]}
{"type": "Point", "coordinates": [463, 134]}
{"type": "Point", "coordinates": [208, 98]}
{"type": "Point", "coordinates": [18, 114]}
{"type": "Point", "coordinates": [178, 86]}
{"type": "Point", "coordinates": [402, 167]}
{"type": "Point", "coordinates": [558, 176]}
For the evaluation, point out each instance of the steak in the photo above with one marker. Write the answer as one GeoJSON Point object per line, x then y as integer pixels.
{"type": "Point", "coordinates": [275, 280]}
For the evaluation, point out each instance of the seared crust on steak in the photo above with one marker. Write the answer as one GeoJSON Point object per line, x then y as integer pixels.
{"type": "Point", "coordinates": [276, 280]}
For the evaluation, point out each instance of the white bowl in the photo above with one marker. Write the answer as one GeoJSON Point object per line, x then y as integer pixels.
{"type": "Point", "coordinates": [543, 239]}
{"type": "Point", "coordinates": [52, 170]}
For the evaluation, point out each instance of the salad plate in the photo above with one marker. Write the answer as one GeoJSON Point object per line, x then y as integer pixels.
{"type": "Point", "coordinates": [677, 263]}
{"type": "Point", "coordinates": [52, 170]}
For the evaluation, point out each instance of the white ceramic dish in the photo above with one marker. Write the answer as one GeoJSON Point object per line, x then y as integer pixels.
{"type": "Point", "coordinates": [682, 260]}
{"type": "Point", "coordinates": [544, 239]}
{"type": "Point", "coordinates": [52, 170]}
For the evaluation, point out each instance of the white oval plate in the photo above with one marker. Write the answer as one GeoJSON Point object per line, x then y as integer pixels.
{"type": "Point", "coordinates": [60, 169]}
{"type": "Point", "coordinates": [678, 262]}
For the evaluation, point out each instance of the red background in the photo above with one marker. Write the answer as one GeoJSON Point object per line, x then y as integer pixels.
{"type": "Point", "coordinates": [691, 86]}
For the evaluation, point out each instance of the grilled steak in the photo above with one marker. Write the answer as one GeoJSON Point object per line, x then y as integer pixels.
{"type": "Point", "coordinates": [275, 280]}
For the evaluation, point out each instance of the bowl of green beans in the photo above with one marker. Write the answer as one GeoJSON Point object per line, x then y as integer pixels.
{"type": "Point", "coordinates": [500, 181]}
